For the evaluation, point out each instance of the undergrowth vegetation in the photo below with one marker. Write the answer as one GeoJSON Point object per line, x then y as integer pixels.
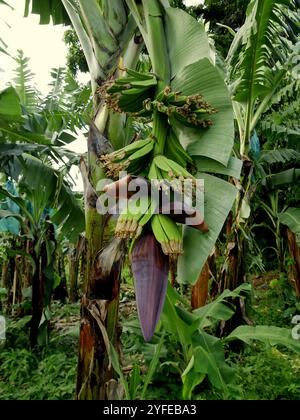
{"type": "Point", "coordinates": [49, 373]}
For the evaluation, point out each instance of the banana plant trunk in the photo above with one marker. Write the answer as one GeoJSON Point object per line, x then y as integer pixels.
{"type": "Point", "coordinates": [295, 268]}
{"type": "Point", "coordinates": [37, 298]}
{"type": "Point", "coordinates": [73, 270]}
{"type": "Point", "coordinates": [4, 274]}
{"type": "Point", "coordinates": [200, 290]}
{"type": "Point", "coordinates": [236, 244]}
{"type": "Point", "coordinates": [100, 302]}
{"type": "Point", "coordinates": [75, 259]}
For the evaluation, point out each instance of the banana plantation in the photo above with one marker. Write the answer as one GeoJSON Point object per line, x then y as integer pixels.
{"type": "Point", "coordinates": [163, 262]}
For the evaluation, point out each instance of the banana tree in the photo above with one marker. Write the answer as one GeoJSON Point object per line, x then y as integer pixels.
{"type": "Point", "coordinates": [42, 189]}
{"type": "Point", "coordinates": [277, 175]}
{"type": "Point", "coordinates": [110, 41]}
{"type": "Point", "coordinates": [260, 58]}
{"type": "Point", "coordinates": [191, 118]}
{"type": "Point", "coordinates": [186, 100]}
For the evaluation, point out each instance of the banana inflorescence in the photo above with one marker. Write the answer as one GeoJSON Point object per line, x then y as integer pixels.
{"type": "Point", "coordinates": [152, 218]}
{"type": "Point", "coordinates": [136, 94]}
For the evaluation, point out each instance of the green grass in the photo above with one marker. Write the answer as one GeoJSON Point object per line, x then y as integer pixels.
{"type": "Point", "coordinates": [50, 374]}
{"type": "Point", "coordinates": [47, 374]}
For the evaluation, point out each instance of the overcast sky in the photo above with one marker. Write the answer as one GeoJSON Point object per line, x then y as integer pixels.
{"type": "Point", "coordinates": [42, 43]}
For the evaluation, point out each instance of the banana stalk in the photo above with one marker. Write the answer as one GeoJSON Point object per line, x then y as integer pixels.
{"type": "Point", "coordinates": [105, 30]}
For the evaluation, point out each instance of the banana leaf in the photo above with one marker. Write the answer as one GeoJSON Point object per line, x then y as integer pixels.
{"type": "Point", "coordinates": [215, 142]}
{"type": "Point", "coordinates": [291, 218]}
{"type": "Point", "coordinates": [219, 197]}
{"type": "Point", "coordinates": [187, 40]}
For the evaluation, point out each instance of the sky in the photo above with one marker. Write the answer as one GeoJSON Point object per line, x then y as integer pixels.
{"type": "Point", "coordinates": [43, 44]}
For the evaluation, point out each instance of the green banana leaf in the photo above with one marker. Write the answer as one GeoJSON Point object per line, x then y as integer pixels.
{"type": "Point", "coordinates": [266, 334]}
{"type": "Point", "coordinates": [219, 197]}
{"type": "Point", "coordinates": [187, 40]}
{"type": "Point", "coordinates": [215, 142]}
{"type": "Point", "coordinates": [45, 189]}
{"type": "Point", "coordinates": [260, 42]}
{"type": "Point", "coordinates": [220, 309]}
{"type": "Point", "coordinates": [10, 224]}
{"type": "Point", "coordinates": [290, 176]}
{"type": "Point", "coordinates": [16, 134]}
{"type": "Point", "coordinates": [10, 107]}
{"type": "Point", "coordinates": [190, 379]}
{"type": "Point", "coordinates": [210, 360]}
{"type": "Point", "coordinates": [291, 218]}
{"type": "Point", "coordinates": [48, 9]}
{"type": "Point", "coordinates": [279, 156]}
{"type": "Point", "coordinates": [19, 201]}
{"type": "Point", "coordinates": [233, 168]}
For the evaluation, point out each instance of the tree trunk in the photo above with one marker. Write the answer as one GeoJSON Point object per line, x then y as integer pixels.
{"type": "Point", "coordinates": [74, 260]}
{"type": "Point", "coordinates": [4, 275]}
{"type": "Point", "coordinates": [27, 266]}
{"type": "Point", "coordinates": [200, 290]}
{"type": "Point", "coordinates": [234, 273]}
{"type": "Point", "coordinates": [100, 302]}
{"type": "Point", "coordinates": [61, 291]}
{"type": "Point", "coordinates": [295, 268]}
{"type": "Point", "coordinates": [98, 328]}
{"type": "Point", "coordinates": [73, 276]}
{"type": "Point", "coordinates": [37, 300]}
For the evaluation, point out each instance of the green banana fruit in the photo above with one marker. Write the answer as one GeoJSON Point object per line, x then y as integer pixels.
{"type": "Point", "coordinates": [175, 152]}
{"type": "Point", "coordinates": [131, 158]}
{"type": "Point", "coordinates": [128, 94]}
{"type": "Point", "coordinates": [134, 217]}
{"type": "Point", "coordinates": [142, 152]}
{"type": "Point", "coordinates": [167, 234]}
{"type": "Point", "coordinates": [170, 168]}
{"type": "Point", "coordinates": [139, 76]}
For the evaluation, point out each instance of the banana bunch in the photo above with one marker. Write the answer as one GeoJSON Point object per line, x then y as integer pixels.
{"type": "Point", "coordinates": [164, 168]}
{"type": "Point", "coordinates": [129, 93]}
{"type": "Point", "coordinates": [168, 235]}
{"type": "Point", "coordinates": [132, 158]}
{"type": "Point", "coordinates": [168, 175]}
{"type": "Point", "coordinates": [192, 111]}
{"type": "Point", "coordinates": [175, 151]}
{"type": "Point", "coordinates": [134, 217]}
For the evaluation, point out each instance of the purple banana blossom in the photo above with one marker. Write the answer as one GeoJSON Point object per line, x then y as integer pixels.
{"type": "Point", "coordinates": [150, 269]}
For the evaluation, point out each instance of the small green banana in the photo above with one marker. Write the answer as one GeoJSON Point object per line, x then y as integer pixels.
{"type": "Point", "coordinates": [142, 152]}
